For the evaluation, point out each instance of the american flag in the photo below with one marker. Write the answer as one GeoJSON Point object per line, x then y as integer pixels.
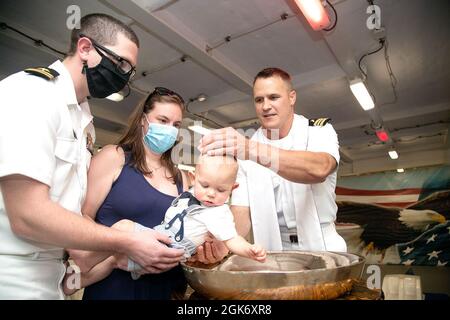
{"type": "Point", "coordinates": [394, 189]}
{"type": "Point", "coordinates": [390, 198]}
{"type": "Point", "coordinates": [431, 248]}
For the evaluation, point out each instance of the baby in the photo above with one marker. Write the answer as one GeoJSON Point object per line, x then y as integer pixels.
{"type": "Point", "coordinates": [203, 209]}
{"type": "Point", "coordinates": [192, 215]}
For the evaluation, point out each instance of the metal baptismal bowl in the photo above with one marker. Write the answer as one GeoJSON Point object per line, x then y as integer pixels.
{"type": "Point", "coordinates": [286, 275]}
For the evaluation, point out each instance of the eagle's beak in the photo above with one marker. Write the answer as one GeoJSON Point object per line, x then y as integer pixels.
{"type": "Point", "coordinates": [438, 218]}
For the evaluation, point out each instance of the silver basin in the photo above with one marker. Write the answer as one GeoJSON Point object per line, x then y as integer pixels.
{"type": "Point", "coordinates": [297, 275]}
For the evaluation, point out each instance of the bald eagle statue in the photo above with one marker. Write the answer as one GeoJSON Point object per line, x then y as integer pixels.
{"type": "Point", "coordinates": [418, 234]}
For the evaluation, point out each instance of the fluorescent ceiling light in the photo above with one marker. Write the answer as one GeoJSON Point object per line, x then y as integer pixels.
{"type": "Point", "coordinates": [315, 13]}
{"type": "Point", "coordinates": [185, 167]}
{"type": "Point", "coordinates": [393, 154]}
{"type": "Point", "coordinates": [200, 129]}
{"type": "Point", "coordinates": [401, 170]}
{"type": "Point", "coordinates": [362, 94]}
{"type": "Point", "coordinates": [115, 97]}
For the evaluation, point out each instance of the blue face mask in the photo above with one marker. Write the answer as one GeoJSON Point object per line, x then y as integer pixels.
{"type": "Point", "coordinates": [160, 137]}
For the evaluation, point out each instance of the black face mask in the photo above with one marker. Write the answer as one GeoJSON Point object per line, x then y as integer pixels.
{"type": "Point", "coordinates": [104, 79]}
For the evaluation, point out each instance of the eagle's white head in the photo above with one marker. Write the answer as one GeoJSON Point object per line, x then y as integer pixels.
{"type": "Point", "coordinates": [420, 219]}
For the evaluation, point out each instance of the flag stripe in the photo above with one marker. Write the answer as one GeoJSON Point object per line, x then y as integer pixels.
{"type": "Point", "coordinates": [346, 191]}
{"type": "Point", "coordinates": [379, 199]}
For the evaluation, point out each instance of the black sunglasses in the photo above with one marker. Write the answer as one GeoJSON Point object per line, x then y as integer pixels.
{"type": "Point", "coordinates": [161, 91]}
{"type": "Point", "coordinates": [123, 65]}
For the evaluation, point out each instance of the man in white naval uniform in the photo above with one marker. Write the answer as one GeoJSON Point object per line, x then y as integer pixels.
{"type": "Point", "coordinates": [45, 130]}
{"type": "Point", "coordinates": [287, 182]}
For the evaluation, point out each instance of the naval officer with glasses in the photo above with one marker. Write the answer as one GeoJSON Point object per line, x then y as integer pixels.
{"type": "Point", "coordinates": [46, 136]}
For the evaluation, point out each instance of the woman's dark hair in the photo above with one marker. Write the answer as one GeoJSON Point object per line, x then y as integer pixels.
{"type": "Point", "coordinates": [132, 140]}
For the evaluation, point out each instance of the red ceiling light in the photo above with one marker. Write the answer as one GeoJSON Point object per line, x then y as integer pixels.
{"type": "Point", "coordinates": [382, 135]}
{"type": "Point", "coordinates": [315, 13]}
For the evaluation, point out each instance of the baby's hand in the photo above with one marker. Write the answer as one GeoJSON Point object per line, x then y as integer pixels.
{"type": "Point", "coordinates": [258, 253]}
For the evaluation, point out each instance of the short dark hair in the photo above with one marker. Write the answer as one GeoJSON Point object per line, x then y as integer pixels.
{"type": "Point", "coordinates": [101, 28]}
{"type": "Point", "coordinates": [273, 72]}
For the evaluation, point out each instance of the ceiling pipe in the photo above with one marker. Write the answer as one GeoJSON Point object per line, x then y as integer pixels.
{"type": "Point", "coordinates": [339, 47]}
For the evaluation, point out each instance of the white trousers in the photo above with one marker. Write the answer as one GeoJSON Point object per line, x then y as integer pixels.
{"type": "Point", "coordinates": [31, 277]}
{"type": "Point", "coordinates": [332, 240]}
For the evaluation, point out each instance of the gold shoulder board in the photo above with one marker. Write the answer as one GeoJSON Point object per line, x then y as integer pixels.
{"type": "Point", "coordinates": [319, 122]}
{"type": "Point", "coordinates": [46, 73]}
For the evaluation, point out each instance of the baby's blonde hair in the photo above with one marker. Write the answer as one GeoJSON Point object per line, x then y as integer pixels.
{"type": "Point", "coordinates": [225, 161]}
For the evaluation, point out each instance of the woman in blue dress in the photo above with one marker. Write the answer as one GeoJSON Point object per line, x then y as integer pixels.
{"type": "Point", "coordinates": [137, 180]}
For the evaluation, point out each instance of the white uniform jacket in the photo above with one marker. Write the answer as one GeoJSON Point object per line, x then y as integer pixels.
{"type": "Point", "coordinates": [310, 208]}
{"type": "Point", "coordinates": [44, 134]}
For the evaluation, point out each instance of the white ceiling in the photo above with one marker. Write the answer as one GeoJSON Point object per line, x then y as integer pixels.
{"type": "Point", "coordinates": [321, 64]}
